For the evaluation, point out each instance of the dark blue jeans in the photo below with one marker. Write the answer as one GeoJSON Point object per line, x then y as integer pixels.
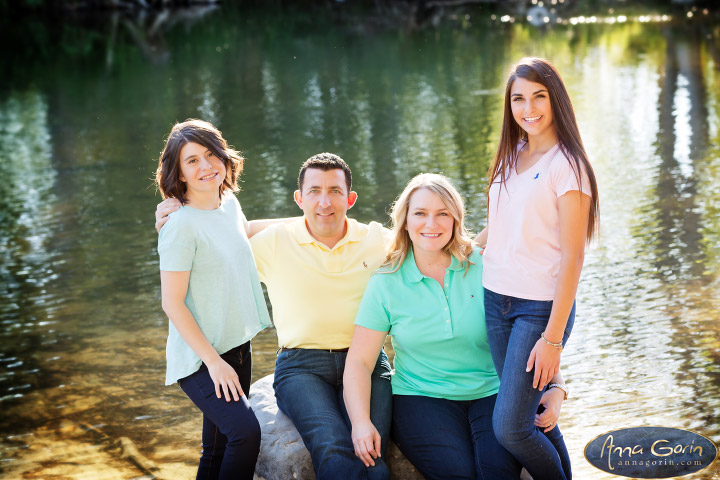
{"type": "Point", "coordinates": [231, 433]}
{"type": "Point", "coordinates": [514, 326]}
{"type": "Point", "coordinates": [451, 439]}
{"type": "Point", "coordinates": [309, 390]}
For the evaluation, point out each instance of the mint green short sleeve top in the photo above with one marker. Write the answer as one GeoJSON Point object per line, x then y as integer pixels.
{"type": "Point", "coordinates": [441, 346]}
{"type": "Point", "coordinates": [224, 293]}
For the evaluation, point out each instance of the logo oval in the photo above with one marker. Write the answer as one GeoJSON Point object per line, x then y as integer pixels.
{"type": "Point", "coordinates": [651, 452]}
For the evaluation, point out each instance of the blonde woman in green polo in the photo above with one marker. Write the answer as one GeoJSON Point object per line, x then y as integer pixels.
{"type": "Point", "coordinates": [428, 296]}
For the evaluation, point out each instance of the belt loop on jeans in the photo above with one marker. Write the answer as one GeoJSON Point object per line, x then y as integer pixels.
{"type": "Point", "coordinates": [330, 350]}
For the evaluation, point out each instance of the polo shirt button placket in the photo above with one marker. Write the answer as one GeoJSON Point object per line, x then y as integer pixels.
{"type": "Point", "coordinates": [447, 297]}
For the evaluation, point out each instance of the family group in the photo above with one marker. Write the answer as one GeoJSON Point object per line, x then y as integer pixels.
{"type": "Point", "coordinates": [477, 323]}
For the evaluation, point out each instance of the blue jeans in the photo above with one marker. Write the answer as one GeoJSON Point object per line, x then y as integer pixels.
{"type": "Point", "coordinates": [231, 432]}
{"type": "Point", "coordinates": [309, 389]}
{"type": "Point", "coordinates": [451, 439]}
{"type": "Point", "coordinates": [514, 326]}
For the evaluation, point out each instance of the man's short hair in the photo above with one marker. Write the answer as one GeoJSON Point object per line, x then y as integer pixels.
{"type": "Point", "coordinates": [326, 161]}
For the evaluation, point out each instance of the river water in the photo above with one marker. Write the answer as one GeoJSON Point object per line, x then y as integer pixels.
{"type": "Point", "coordinates": [85, 105]}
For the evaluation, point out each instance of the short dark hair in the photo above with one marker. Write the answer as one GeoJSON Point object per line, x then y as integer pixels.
{"type": "Point", "coordinates": [325, 161]}
{"type": "Point", "coordinates": [167, 175]}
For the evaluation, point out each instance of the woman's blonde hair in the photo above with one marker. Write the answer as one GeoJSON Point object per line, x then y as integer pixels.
{"type": "Point", "coordinates": [460, 244]}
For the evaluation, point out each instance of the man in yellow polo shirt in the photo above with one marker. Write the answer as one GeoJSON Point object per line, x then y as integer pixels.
{"type": "Point", "coordinates": [315, 270]}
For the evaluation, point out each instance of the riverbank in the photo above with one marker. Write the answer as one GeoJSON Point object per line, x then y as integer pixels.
{"type": "Point", "coordinates": [80, 452]}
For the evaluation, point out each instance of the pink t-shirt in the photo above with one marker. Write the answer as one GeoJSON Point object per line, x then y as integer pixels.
{"type": "Point", "coordinates": [522, 257]}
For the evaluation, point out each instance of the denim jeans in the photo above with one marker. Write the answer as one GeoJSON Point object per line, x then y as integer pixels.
{"type": "Point", "coordinates": [514, 326]}
{"type": "Point", "coordinates": [309, 390]}
{"type": "Point", "coordinates": [451, 439]}
{"type": "Point", "coordinates": [231, 432]}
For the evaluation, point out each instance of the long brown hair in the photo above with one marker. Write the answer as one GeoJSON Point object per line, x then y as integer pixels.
{"type": "Point", "coordinates": [540, 70]}
{"type": "Point", "coordinates": [167, 175]}
{"type": "Point", "coordinates": [460, 244]}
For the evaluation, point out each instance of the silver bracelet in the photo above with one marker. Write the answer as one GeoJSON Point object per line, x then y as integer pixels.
{"type": "Point", "coordinates": [562, 387]}
{"type": "Point", "coordinates": [558, 345]}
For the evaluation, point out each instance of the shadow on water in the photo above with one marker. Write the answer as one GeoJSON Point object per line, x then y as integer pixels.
{"type": "Point", "coordinates": [82, 356]}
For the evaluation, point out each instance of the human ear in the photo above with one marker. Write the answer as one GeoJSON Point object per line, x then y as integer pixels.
{"type": "Point", "coordinates": [352, 198]}
{"type": "Point", "coordinates": [298, 198]}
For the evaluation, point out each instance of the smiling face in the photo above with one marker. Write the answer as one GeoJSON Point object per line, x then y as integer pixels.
{"type": "Point", "coordinates": [429, 222]}
{"type": "Point", "coordinates": [531, 109]}
{"type": "Point", "coordinates": [201, 170]}
{"type": "Point", "coordinates": [325, 200]}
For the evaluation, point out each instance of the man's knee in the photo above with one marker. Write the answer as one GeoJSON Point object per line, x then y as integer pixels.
{"type": "Point", "coordinates": [339, 461]}
{"type": "Point", "coordinates": [379, 472]}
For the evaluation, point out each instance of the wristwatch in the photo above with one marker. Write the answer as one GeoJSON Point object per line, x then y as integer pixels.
{"type": "Point", "coordinates": [562, 387]}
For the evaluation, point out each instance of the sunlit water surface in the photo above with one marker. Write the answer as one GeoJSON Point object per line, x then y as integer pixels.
{"type": "Point", "coordinates": [82, 332]}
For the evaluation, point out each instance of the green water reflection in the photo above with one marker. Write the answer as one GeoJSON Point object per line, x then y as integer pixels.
{"type": "Point", "coordinates": [82, 350]}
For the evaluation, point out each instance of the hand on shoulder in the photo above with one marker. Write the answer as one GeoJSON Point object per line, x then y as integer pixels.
{"type": "Point", "coordinates": [163, 210]}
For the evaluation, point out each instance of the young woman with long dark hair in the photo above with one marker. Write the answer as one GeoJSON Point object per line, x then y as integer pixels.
{"type": "Point", "coordinates": [542, 210]}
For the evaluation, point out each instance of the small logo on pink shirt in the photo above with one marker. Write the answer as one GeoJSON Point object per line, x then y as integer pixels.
{"type": "Point", "coordinates": [536, 176]}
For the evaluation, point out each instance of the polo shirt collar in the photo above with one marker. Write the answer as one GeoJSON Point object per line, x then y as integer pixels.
{"type": "Point", "coordinates": [455, 264]}
{"type": "Point", "coordinates": [302, 234]}
{"type": "Point", "coordinates": [412, 272]}
{"type": "Point", "coordinates": [353, 233]}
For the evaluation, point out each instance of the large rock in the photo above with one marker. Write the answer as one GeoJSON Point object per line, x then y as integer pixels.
{"type": "Point", "coordinates": [283, 455]}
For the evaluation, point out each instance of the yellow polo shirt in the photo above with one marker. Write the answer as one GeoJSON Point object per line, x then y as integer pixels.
{"type": "Point", "coordinates": [315, 291]}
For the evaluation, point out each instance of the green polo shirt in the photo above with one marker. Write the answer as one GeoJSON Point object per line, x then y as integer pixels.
{"type": "Point", "coordinates": [441, 346]}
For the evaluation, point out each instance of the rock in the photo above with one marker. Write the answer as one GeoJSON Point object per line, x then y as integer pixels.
{"type": "Point", "coordinates": [283, 454]}
{"type": "Point", "coordinates": [400, 467]}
